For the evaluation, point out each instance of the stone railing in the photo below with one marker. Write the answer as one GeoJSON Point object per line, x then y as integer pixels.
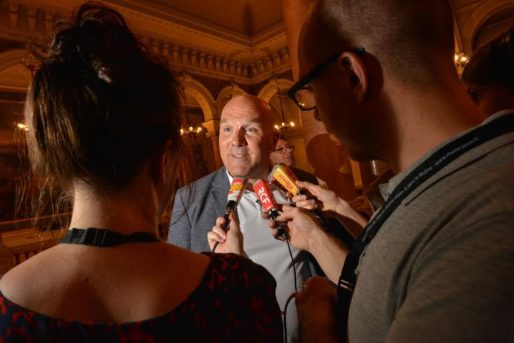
{"type": "Point", "coordinates": [25, 243]}
{"type": "Point", "coordinates": [19, 245]}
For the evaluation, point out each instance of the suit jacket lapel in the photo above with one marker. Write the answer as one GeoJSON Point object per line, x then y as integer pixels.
{"type": "Point", "coordinates": [219, 191]}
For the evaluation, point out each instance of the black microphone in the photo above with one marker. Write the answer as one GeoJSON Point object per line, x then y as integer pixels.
{"type": "Point", "coordinates": [235, 193]}
{"type": "Point", "coordinates": [287, 179]}
{"type": "Point", "coordinates": [269, 204]}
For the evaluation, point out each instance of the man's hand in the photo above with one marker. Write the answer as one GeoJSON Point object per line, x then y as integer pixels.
{"type": "Point", "coordinates": [327, 201]}
{"type": "Point", "coordinates": [301, 227]}
{"type": "Point", "coordinates": [230, 241]}
{"type": "Point", "coordinates": [316, 306]}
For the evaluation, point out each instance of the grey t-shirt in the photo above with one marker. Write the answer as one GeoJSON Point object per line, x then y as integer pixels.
{"type": "Point", "coordinates": [441, 269]}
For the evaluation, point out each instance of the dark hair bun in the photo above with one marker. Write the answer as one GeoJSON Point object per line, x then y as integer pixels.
{"type": "Point", "coordinates": [98, 38]}
{"type": "Point", "coordinates": [101, 104]}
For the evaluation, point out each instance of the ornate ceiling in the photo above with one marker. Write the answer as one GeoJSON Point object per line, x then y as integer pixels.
{"type": "Point", "coordinates": [243, 41]}
{"type": "Point", "coordinates": [240, 42]}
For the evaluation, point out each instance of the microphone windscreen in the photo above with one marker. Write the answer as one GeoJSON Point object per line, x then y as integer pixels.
{"type": "Point", "coordinates": [285, 177]}
{"type": "Point", "coordinates": [236, 189]}
{"type": "Point", "coordinates": [265, 196]}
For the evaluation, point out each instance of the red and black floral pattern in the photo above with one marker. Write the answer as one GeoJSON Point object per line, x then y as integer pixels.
{"type": "Point", "coordinates": [235, 302]}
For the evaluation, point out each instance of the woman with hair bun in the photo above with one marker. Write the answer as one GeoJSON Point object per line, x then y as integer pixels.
{"type": "Point", "coordinates": [489, 75]}
{"type": "Point", "coordinates": [103, 117]}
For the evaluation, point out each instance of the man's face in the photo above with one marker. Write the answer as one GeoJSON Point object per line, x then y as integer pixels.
{"type": "Point", "coordinates": [337, 107]}
{"type": "Point", "coordinates": [283, 153]}
{"type": "Point", "coordinates": [244, 139]}
{"type": "Point", "coordinates": [332, 105]}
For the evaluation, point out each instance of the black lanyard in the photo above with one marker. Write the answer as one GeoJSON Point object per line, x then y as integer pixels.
{"type": "Point", "coordinates": [437, 161]}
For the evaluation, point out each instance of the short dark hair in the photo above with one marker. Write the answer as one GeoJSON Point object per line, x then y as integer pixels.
{"type": "Point", "coordinates": [100, 104]}
{"type": "Point", "coordinates": [492, 64]}
{"type": "Point", "coordinates": [404, 35]}
{"type": "Point", "coordinates": [277, 135]}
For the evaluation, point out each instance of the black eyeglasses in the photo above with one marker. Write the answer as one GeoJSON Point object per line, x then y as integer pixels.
{"type": "Point", "coordinates": [284, 148]}
{"type": "Point", "coordinates": [301, 92]}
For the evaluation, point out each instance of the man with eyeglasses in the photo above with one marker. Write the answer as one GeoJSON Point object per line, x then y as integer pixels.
{"type": "Point", "coordinates": [283, 152]}
{"type": "Point", "coordinates": [435, 263]}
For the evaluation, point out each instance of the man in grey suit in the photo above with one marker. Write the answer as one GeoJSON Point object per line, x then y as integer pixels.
{"type": "Point", "coordinates": [245, 142]}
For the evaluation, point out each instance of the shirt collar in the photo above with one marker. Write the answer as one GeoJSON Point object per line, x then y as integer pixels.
{"type": "Point", "coordinates": [387, 188]}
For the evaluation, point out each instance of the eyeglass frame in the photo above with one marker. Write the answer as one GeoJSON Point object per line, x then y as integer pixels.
{"type": "Point", "coordinates": [314, 73]}
{"type": "Point", "coordinates": [282, 149]}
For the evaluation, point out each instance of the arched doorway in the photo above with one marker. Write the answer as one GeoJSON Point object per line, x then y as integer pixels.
{"type": "Point", "coordinates": [200, 111]}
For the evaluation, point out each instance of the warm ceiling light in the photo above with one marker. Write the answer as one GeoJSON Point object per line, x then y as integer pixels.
{"type": "Point", "coordinates": [460, 59]}
{"type": "Point", "coordinates": [22, 126]}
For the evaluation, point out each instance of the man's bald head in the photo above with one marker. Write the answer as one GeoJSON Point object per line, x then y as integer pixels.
{"type": "Point", "coordinates": [245, 140]}
{"type": "Point", "coordinates": [247, 102]}
{"type": "Point", "coordinates": [409, 38]}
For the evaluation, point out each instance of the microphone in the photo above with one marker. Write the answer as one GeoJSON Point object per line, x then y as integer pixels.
{"type": "Point", "coordinates": [286, 178]}
{"type": "Point", "coordinates": [268, 203]}
{"type": "Point", "coordinates": [235, 193]}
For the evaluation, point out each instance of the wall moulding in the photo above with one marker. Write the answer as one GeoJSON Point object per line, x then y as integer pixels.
{"type": "Point", "coordinates": [243, 62]}
{"type": "Point", "coordinates": [483, 11]}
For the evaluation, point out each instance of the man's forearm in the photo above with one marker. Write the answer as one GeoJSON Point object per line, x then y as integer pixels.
{"type": "Point", "coordinates": [329, 252]}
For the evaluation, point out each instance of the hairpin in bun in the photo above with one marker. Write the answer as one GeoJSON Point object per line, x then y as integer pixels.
{"type": "Point", "coordinates": [103, 75]}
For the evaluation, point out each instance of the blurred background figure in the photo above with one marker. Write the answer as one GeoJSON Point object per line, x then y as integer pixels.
{"type": "Point", "coordinates": [283, 152]}
{"type": "Point", "coordinates": [489, 75]}
{"type": "Point", "coordinates": [103, 119]}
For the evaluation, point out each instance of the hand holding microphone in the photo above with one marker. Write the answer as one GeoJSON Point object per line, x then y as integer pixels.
{"type": "Point", "coordinates": [329, 202]}
{"type": "Point", "coordinates": [284, 176]}
{"type": "Point", "coordinates": [269, 205]}
{"type": "Point", "coordinates": [215, 236]}
{"type": "Point", "coordinates": [226, 241]}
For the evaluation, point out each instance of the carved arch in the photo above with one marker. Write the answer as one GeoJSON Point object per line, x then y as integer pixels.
{"type": "Point", "coordinates": [225, 95]}
{"type": "Point", "coordinates": [271, 87]}
{"type": "Point", "coordinates": [484, 11]}
{"type": "Point", "coordinates": [14, 75]}
{"type": "Point", "coordinates": [201, 95]}
{"type": "Point", "coordinates": [11, 57]}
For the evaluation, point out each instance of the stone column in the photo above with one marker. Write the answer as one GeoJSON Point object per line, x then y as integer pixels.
{"type": "Point", "coordinates": [4, 14]}
{"type": "Point", "coordinates": [213, 127]}
{"type": "Point", "coordinates": [333, 169]}
{"type": "Point", "coordinates": [40, 21]}
{"type": "Point", "coordinates": [23, 18]}
{"type": "Point", "coordinates": [6, 258]}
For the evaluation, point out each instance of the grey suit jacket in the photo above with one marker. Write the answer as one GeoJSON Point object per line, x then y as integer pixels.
{"type": "Point", "coordinates": [198, 205]}
{"type": "Point", "coordinates": [195, 210]}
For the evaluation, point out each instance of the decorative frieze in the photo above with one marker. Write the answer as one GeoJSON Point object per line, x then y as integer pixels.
{"type": "Point", "coordinates": [21, 23]}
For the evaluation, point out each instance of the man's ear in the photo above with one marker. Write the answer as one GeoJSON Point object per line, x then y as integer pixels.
{"type": "Point", "coordinates": [354, 67]}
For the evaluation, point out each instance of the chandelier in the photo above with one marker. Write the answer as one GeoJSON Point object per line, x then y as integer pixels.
{"type": "Point", "coordinates": [188, 130]}
{"type": "Point", "coordinates": [460, 60]}
{"type": "Point", "coordinates": [283, 125]}
{"type": "Point", "coordinates": [191, 130]}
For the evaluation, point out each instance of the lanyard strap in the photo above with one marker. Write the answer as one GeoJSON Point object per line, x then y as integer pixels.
{"type": "Point", "coordinates": [433, 164]}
